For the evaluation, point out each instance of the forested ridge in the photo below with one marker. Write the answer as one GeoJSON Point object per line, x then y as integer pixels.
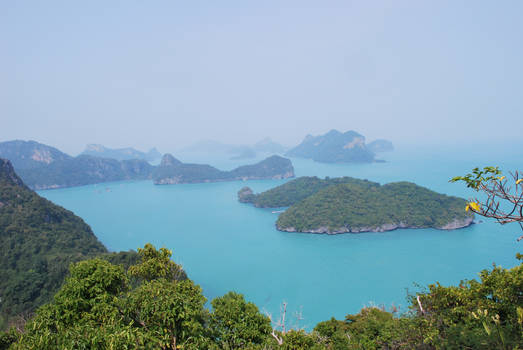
{"type": "Point", "coordinates": [353, 208]}
{"type": "Point", "coordinates": [345, 204]}
{"type": "Point", "coordinates": [38, 241]}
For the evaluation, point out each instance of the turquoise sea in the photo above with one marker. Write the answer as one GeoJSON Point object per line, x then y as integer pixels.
{"type": "Point", "coordinates": [225, 245]}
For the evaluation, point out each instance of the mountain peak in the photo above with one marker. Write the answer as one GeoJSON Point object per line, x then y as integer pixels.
{"type": "Point", "coordinates": [169, 160]}
{"type": "Point", "coordinates": [7, 173]}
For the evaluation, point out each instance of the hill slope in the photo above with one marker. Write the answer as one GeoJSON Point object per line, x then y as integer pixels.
{"type": "Point", "coordinates": [294, 191]}
{"type": "Point", "coordinates": [345, 208]}
{"type": "Point", "coordinates": [30, 154]}
{"type": "Point", "coordinates": [38, 241]}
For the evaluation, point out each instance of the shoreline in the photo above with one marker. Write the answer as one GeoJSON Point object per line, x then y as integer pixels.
{"type": "Point", "coordinates": [456, 224]}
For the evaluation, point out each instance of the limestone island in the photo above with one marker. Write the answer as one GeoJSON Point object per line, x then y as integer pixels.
{"type": "Point", "coordinates": [349, 205]}
{"type": "Point", "coordinates": [338, 147]}
{"type": "Point", "coordinates": [173, 171]}
{"type": "Point", "coordinates": [44, 167]}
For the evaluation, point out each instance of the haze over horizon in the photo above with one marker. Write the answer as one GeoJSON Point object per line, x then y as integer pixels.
{"type": "Point", "coordinates": [166, 75]}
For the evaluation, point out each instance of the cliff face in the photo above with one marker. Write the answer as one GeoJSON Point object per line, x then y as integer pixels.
{"type": "Point", "coordinates": [378, 146]}
{"type": "Point", "coordinates": [30, 154]}
{"type": "Point", "coordinates": [453, 225]}
{"type": "Point", "coordinates": [172, 171]}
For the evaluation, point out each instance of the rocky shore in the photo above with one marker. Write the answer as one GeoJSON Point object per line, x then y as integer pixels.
{"type": "Point", "coordinates": [453, 225]}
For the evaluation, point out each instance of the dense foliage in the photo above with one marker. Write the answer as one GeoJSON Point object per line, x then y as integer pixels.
{"type": "Point", "coordinates": [172, 171]}
{"type": "Point", "coordinates": [354, 208]}
{"type": "Point", "coordinates": [98, 308]}
{"type": "Point", "coordinates": [296, 190]}
{"type": "Point", "coordinates": [345, 204]}
{"type": "Point", "coordinates": [38, 241]}
{"type": "Point", "coordinates": [334, 147]}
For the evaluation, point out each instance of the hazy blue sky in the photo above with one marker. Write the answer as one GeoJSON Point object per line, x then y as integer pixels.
{"type": "Point", "coordinates": [169, 73]}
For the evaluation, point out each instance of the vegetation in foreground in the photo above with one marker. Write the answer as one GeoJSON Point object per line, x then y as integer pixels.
{"type": "Point", "coordinates": [38, 242]}
{"type": "Point", "coordinates": [152, 305]}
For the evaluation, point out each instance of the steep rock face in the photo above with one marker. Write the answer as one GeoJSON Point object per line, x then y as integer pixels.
{"type": "Point", "coordinates": [380, 145]}
{"type": "Point", "coordinates": [30, 154]}
{"type": "Point", "coordinates": [172, 171]}
{"type": "Point", "coordinates": [458, 223]}
{"type": "Point", "coordinates": [334, 147]}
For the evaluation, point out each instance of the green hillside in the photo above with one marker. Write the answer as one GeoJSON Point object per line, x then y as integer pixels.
{"type": "Point", "coordinates": [351, 207]}
{"type": "Point", "coordinates": [38, 241]}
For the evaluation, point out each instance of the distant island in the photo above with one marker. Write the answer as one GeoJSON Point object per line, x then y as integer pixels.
{"type": "Point", "coordinates": [121, 153]}
{"type": "Point", "coordinates": [85, 170]}
{"type": "Point", "coordinates": [173, 171]}
{"type": "Point", "coordinates": [343, 205]}
{"type": "Point", "coordinates": [264, 146]}
{"type": "Point", "coordinates": [44, 167]}
{"type": "Point", "coordinates": [337, 147]}
{"type": "Point", "coordinates": [378, 146]}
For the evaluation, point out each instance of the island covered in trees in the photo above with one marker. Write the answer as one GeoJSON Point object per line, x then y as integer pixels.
{"type": "Point", "coordinates": [343, 205]}
{"type": "Point", "coordinates": [44, 167]}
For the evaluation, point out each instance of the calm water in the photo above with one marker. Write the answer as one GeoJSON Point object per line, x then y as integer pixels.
{"type": "Point", "coordinates": [225, 245]}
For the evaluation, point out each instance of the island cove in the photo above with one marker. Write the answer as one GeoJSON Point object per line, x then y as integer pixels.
{"type": "Point", "coordinates": [349, 205]}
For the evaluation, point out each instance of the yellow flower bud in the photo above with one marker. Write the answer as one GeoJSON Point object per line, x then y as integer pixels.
{"type": "Point", "coordinates": [475, 206]}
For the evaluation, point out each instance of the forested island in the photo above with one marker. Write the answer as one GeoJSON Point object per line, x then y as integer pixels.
{"type": "Point", "coordinates": [348, 205]}
{"type": "Point", "coordinates": [337, 147]}
{"type": "Point", "coordinates": [173, 171]}
{"type": "Point", "coordinates": [44, 167]}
